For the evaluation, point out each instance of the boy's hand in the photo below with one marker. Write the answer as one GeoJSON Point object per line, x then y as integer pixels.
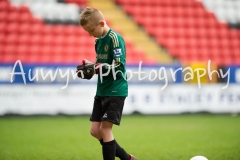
{"type": "Point", "coordinates": [86, 72]}
{"type": "Point", "coordinates": [86, 62]}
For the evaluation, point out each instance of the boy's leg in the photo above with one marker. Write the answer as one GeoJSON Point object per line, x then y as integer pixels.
{"type": "Point", "coordinates": [106, 131]}
{"type": "Point", "coordinates": [96, 118]}
{"type": "Point", "coordinates": [112, 115]}
{"type": "Point", "coordinates": [109, 144]}
{"type": "Point", "coordinates": [96, 123]}
{"type": "Point", "coordinates": [120, 152]}
{"type": "Point", "coordinates": [95, 130]}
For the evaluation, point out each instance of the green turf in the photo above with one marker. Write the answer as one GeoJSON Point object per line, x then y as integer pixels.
{"type": "Point", "coordinates": [148, 137]}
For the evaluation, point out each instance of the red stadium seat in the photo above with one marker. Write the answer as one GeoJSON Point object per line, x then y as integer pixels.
{"type": "Point", "coordinates": [47, 30]}
{"type": "Point", "coordinates": [10, 49]}
{"type": "Point", "coordinates": [223, 33]}
{"type": "Point", "coordinates": [225, 43]}
{"type": "Point", "coordinates": [202, 43]}
{"type": "Point", "coordinates": [213, 43]}
{"type": "Point", "coordinates": [235, 43]}
{"type": "Point", "coordinates": [3, 27]}
{"type": "Point", "coordinates": [12, 17]}
{"type": "Point", "coordinates": [236, 61]}
{"type": "Point", "coordinates": [47, 49]}
{"type": "Point", "coordinates": [12, 28]}
{"type": "Point", "coordinates": [23, 9]}
{"type": "Point", "coordinates": [131, 10]}
{"type": "Point", "coordinates": [79, 31]}
{"type": "Point", "coordinates": [4, 17]}
{"type": "Point", "coordinates": [58, 30]}
{"type": "Point", "coordinates": [70, 39]}
{"type": "Point", "coordinates": [48, 39]}
{"type": "Point", "coordinates": [24, 28]}
{"type": "Point", "coordinates": [211, 33]}
{"type": "Point", "coordinates": [24, 39]}
{"type": "Point", "coordinates": [3, 39]}
{"type": "Point", "coordinates": [22, 49]}
{"type": "Point", "coordinates": [203, 53]}
{"type": "Point", "coordinates": [6, 7]}
{"type": "Point", "coordinates": [36, 39]}
{"type": "Point", "coordinates": [12, 39]}
{"type": "Point", "coordinates": [59, 40]}
{"type": "Point", "coordinates": [70, 29]}
{"type": "Point", "coordinates": [36, 28]}
{"type": "Point", "coordinates": [238, 34]}
{"type": "Point", "coordinates": [35, 49]}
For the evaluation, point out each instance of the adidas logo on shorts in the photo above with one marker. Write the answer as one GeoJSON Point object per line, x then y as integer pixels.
{"type": "Point", "coordinates": [105, 115]}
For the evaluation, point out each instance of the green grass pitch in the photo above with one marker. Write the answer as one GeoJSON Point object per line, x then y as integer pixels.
{"type": "Point", "coordinates": [172, 137]}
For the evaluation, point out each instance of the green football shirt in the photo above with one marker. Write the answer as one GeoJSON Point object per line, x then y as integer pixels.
{"type": "Point", "coordinates": [111, 82]}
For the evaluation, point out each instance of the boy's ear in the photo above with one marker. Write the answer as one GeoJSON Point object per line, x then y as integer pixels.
{"type": "Point", "coordinates": [102, 23]}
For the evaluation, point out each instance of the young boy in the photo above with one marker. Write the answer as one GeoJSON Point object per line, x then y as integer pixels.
{"type": "Point", "coordinates": [112, 86]}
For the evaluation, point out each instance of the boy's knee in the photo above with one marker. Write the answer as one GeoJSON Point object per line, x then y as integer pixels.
{"type": "Point", "coordinates": [95, 133]}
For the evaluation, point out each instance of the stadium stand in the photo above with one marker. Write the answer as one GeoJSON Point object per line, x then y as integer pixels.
{"type": "Point", "coordinates": [187, 30]}
{"type": "Point", "coordinates": [46, 31]}
{"type": "Point", "coordinates": [130, 30]}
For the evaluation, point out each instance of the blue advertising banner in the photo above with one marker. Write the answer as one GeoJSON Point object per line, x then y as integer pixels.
{"type": "Point", "coordinates": [234, 74]}
{"type": "Point", "coordinates": [66, 74]}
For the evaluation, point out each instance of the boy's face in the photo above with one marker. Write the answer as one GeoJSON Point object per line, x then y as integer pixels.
{"type": "Point", "coordinates": [94, 30]}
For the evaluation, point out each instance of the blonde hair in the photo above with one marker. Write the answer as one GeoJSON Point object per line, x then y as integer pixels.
{"type": "Point", "coordinates": [90, 15]}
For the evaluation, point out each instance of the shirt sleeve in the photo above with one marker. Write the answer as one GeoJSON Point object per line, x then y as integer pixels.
{"type": "Point", "coordinates": [118, 47]}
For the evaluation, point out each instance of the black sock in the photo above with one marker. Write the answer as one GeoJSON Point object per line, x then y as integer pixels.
{"type": "Point", "coordinates": [120, 152]}
{"type": "Point", "coordinates": [109, 150]}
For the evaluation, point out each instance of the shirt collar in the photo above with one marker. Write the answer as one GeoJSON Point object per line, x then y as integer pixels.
{"type": "Point", "coordinates": [102, 37]}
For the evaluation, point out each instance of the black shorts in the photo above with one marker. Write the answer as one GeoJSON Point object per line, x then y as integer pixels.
{"type": "Point", "coordinates": [107, 109]}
